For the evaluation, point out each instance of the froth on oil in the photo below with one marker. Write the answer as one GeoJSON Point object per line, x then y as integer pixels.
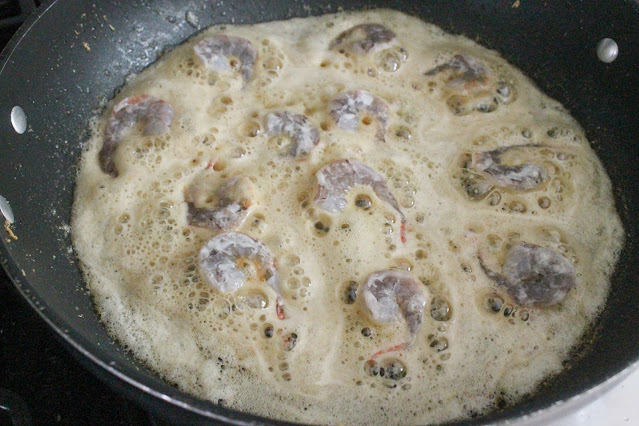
{"type": "Point", "coordinates": [323, 159]}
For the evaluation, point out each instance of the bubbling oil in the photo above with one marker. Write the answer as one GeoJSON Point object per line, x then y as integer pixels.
{"type": "Point", "coordinates": [476, 350]}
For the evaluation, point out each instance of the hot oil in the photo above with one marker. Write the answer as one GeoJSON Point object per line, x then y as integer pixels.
{"type": "Point", "coordinates": [476, 349]}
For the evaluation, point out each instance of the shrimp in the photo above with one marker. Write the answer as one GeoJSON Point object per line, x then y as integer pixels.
{"type": "Point", "coordinates": [473, 87]}
{"type": "Point", "coordinates": [534, 275]}
{"type": "Point", "coordinates": [304, 135]}
{"type": "Point", "coordinates": [221, 258]}
{"type": "Point", "coordinates": [363, 38]}
{"type": "Point", "coordinates": [387, 295]}
{"type": "Point", "coordinates": [522, 177]}
{"type": "Point", "coordinates": [337, 178]}
{"type": "Point", "coordinates": [215, 51]}
{"type": "Point", "coordinates": [156, 113]}
{"type": "Point", "coordinates": [234, 200]}
{"type": "Point", "coordinates": [347, 106]}
{"type": "Point", "coordinates": [466, 73]}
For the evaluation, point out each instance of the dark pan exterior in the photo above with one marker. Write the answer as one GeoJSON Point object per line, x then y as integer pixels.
{"type": "Point", "coordinates": [72, 56]}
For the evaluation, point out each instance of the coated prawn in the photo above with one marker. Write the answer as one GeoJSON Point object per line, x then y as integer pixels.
{"type": "Point", "coordinates": [216, 50]}
{"type": "Point", "coordinates": [466, 73]}
{"type": "Point", "coordinates": [363, 38]}
{"type": "Point", "coordinates": [534, 275]}
{"type": "Point", "coordinates": [220, 260]}
{"type": "Point", "coordinates": [234, 200]}
{"type": "Point", "coordinates": [347, 106]}
{"type": "Point", "coordinates": [297, 127]}
{"type": "Point", "coordinates": [522, 177]}
{"type": "Point", "coordinates": [337, 178]}
{"type": "Point", "coordinates": [156, 113]}
{"type": "Point", "coordinates": [390, 294]}
{"type": "Point", "coordinates": [473, 87]}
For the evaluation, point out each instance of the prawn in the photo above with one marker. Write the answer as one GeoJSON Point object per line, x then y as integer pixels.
{"type": "Point", "coordinates": [534, 275]}
{"type": "Point", "coordinates": [156, 113]}
{"type": "Point", "coordinates": [522, 177]}
{"type": "Point", "coordinates": [221, 258]}
{"type": "Point", "coordinates": [215, 52]}
{"type": "Point", "coordinates": [296, 126]}
{"type": "Point", "coordinates": [235, 198]}
{"type": "Point", "coordinates": [387, 295]}
{"type": "Point", "coordinates": [363, 38]}
{"type": "Point", "coordinates": [347, 106]}
{"type": "Point", "coordinates": [466, 73]}
{"type": "Point", "coordinates": [337, 178]}
{"type": "Point", "coordinates": [472, 85]}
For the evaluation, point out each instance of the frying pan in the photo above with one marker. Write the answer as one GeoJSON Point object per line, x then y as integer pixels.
{"type": "Point", "coordinates": [72, 55]}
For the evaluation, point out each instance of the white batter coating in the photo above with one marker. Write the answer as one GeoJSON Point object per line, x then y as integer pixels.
{"type": "Point", "coordinates": [447, 99]}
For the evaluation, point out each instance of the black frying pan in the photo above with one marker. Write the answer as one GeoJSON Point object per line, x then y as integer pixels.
{"type": "Point", "coordinates": [72, 55]}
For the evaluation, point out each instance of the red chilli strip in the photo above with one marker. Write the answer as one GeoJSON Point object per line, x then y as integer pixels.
{"type": "Point", "coordinates": [402, 232]}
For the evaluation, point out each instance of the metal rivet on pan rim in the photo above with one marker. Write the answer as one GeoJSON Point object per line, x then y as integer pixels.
{"type": "Point", "coordinates": [18, 119]}
{"type": "Point", "coordinates": [607, 50]}
{"type": "Point", "coordinates": [5, 208]}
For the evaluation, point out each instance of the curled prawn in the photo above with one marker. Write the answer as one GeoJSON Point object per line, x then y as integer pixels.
{"type": "Point", "coordinates": [221, 259]}
{"type": "Point", "coordinates": [337, 178]}
{"type": "Point", "coordinates": [534, 275]}
{"type": "Point", "coordinates": [521, 177]}
{"type": "Point", "coordinates": [388, 295]}
{"type": "Point", "coordinates": [156, 113]}
{"type": "Point", "coordinates": [220, 52]}
{"type": "Point", "coordinates": [347, 107]}
{"type": "Point", "coordinates": [363, 38]}
{"type": "Point", "coordinates": [297, 127]}
{"type": "Point", "coordinates": [234, 200]}
{"type": "Point", "coordinates": [466, 73]}
{"type": "Point", "coordinates": [473, 87]}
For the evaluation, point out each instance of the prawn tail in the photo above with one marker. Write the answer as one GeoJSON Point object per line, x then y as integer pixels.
{"type": "Point", "coordinates": [279, 309]}
{"type": "Point", "coordinates": [394, 348]}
